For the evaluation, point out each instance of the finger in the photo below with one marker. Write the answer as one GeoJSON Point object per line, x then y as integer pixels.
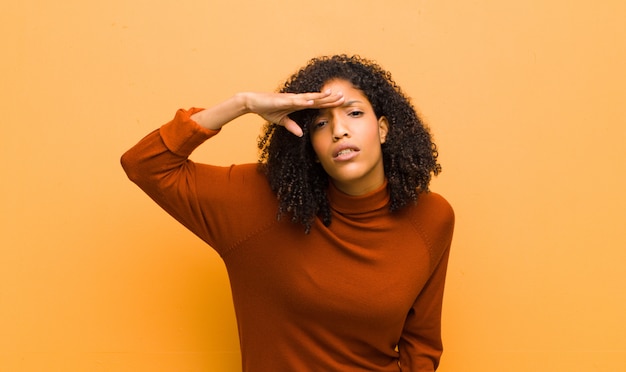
{"type": "Point", "coordinates": [322, 98]}
{"type": "Point", "coordinates": [309, 99]}
{"type": "Point", "coordinates": [313, 96]}
{"type": "Point", "coordinates": [292, 126]}
{"type": "Point", "coordinates": [336, 99]}
{"type": "Point", "coordinates": [312, 100]}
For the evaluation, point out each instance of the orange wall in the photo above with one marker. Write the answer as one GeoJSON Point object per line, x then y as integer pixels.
{"type": "Point", "coordinates": [526, 100]}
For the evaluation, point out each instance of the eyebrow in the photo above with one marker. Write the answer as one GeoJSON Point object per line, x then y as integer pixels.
{"type": "Point", "coordinates": [345, 104]}
{"type": "Point", "coordinates": [350, 103]}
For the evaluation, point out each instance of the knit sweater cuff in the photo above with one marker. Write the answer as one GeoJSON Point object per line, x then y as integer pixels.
{"type": "Point", "coordinates": [182, 135]}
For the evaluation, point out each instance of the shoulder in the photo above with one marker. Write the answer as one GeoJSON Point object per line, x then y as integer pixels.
{"type": "Point", "coordinates": [234, 202]}
{"type": "Point", "coordinates": [230, 187]}
{"type": "Point", "coordinates": [431, 206]}
{"type": "Point", "coordinates": [436, 206]}
{"type": "Point", "coordinates": [248, 173]}
{"type": "Point", "coordinates": [434, 217]}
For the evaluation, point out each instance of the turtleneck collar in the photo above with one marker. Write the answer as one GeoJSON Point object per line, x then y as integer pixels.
{"type": "Point", "coordinates": [349, 204]}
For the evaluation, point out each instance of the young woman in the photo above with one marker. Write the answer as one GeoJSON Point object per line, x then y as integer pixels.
{"type": "Point", "coordinates": [335, 248]}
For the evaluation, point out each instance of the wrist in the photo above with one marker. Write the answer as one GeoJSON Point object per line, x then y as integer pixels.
{"type": "Point", "coordinates": [217, 116]}
{"type": "Point", "coordinates": [242, 103]}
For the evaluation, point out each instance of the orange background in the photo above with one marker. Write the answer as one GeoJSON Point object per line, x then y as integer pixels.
{"type": "Point", "coordinates": [526, 100]}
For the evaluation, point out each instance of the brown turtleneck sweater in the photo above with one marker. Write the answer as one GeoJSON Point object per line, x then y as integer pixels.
{"type": "Point", "coordinates": [363, 294]}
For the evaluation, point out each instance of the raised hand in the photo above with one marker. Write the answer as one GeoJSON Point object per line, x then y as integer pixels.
{"type": "Point", "coordinates": [275, 107]}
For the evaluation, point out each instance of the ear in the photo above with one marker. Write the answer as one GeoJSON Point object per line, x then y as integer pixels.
{"type": "Point", "coordinates": [383, 129]}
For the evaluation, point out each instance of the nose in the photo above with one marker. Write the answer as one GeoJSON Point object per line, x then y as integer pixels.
{"type": "Point", "coordinates": [340, 129]}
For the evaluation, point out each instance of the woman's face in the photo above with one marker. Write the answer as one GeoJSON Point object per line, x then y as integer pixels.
{"type": "Point", "coordinates": [347, 141]}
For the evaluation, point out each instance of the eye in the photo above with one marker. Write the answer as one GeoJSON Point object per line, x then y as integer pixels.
{"type": "Point", "coordinates": [355, 113]}
{"type": "Point", "coordinates": [319, 124]}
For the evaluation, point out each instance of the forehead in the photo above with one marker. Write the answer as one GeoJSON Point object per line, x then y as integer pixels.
{"type": "Point", "coordinates": [346, 87]}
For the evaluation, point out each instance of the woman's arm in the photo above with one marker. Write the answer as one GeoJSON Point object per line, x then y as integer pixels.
{"type": "Point", "coordinates": [421, 345]}
{"type": "Point", "coordinates": [273, 107]}
{"type": "Point", "coordinates": [197, 194]}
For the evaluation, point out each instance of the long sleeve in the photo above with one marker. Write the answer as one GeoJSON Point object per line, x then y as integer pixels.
{"type": "Point", "coordinates": [213, 202]}
{"type": "Point", "coordinates": [421, 346]}
{"type": "Point", "coordinates": [159, 165]}
{"type": "Point", "coordinates": [334, 299]}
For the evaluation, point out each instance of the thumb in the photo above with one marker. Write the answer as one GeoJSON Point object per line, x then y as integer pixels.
{"type": "Point", "coordinates": [292, 126]}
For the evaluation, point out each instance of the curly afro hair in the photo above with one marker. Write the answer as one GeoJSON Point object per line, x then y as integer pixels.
{"type": "Point", "coordinates": [300, 183]}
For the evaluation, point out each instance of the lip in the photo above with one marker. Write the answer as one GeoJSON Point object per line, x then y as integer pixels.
{"type": "Point", "coordinates": [347, 156]}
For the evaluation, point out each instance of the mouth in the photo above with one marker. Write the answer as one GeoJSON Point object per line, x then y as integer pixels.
{"type": "Point", "coordinates": [345, 153]}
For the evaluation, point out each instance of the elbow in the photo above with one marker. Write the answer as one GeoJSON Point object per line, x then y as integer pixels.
{"type": "Point", "coordinates": [130, 164]}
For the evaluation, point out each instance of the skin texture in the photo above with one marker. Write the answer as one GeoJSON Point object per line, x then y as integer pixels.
{"type": "Point", "coordinates": [353, 128]}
